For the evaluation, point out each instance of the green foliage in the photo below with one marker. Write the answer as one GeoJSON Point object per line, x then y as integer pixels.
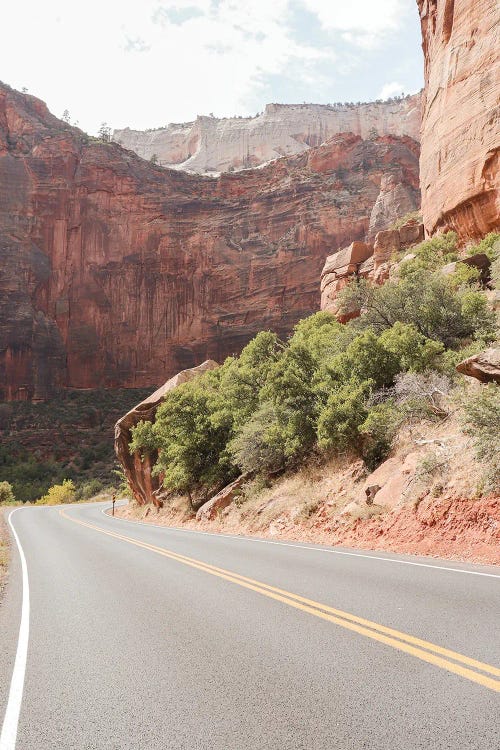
{"type": "Point", "coordinates": [321, 334]}
{"type": "Point", "coordinates": [366, 358]}
{"type": "Point", "coordinates": [412, 350]}
{"type": "Point", "coordinates": [68, 437]}
{"type": "Point", "coordinates": [432, 254]}
{"type": "Point", "coordinates": [235, 387]}
{"type": "Point", "coordinates": [192, 448]}
{"type": "Point", "coordinates": [414, 216]}
{"type": "Point", "coordinates": [59, 494]}
{"type": "Point", "coordinates": [489, 245]}
{"type": "Point", "coordinates": [478, 317]}
{"type": "Point", "coordinates": [259, 447]}
{"type": "Point", "coordinates": [481, 420]}
{"type": "Point", "coordinates": [426, 301]}
{"type": "Point", "coordinates": [89, 489]}
{"type": "Point", "coordinates": [378, 431]}
{"type": "Point", "coordinates": [464, 275]}
{"type": "Point", "coordinates": [6, 493]}
{"type": "Point", "coordinates": [143, 438]}
{"type": "Point", "coordinates": [331, 387]}
{"type": "Point", "coordinates": [344, 412]}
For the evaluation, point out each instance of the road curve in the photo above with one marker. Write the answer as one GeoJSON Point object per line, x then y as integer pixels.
{"type": "Point", "coordinates": [147, 637]}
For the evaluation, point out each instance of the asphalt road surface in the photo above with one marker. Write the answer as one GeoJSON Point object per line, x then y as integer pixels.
{"type": "Point", "coordinates": [122, 635]}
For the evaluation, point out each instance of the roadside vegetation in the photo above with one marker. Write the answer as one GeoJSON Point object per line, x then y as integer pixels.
{"type": "Point", "coordinates": [69, 437]}
{"type": "Point", "coordinates": [333, 389]}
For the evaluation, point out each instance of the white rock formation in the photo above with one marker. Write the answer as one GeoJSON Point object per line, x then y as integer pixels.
{"type": "Point", "coordinates": [217, 145]}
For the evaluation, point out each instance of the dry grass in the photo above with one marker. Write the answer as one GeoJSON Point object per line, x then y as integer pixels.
{"type": "Point", "coordinates": [4, 549]}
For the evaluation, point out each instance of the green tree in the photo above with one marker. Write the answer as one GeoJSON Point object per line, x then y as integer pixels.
{"type": "Point", "coordinates": [192, 455]}
{"type": "Point", "coordinates": [343, 414]}
{"type": "Point", "coordinates": [425, 300]}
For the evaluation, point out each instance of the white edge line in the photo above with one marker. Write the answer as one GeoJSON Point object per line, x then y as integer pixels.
{"type": "Point", "coordinates": [9, 729]}
{"type": "Point", "coordinates": [306, 547]}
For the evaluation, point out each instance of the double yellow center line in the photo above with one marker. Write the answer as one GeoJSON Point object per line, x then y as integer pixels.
{"type": "Point", "coordinates": [471, 669]}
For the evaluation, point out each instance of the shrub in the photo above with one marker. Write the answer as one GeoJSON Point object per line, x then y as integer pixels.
{"type": "Point", "coordinates": [426, 301]}
{"type": "Point", "coordinates": [366, 358]}
{"type": "Point", "coordinates": [432, 254]}
{"type": "Point", "coordinates": [412, 349]}
{"type": "Point", "coordinates": [489, 245]}
{"type": "Point", "coordinates": [59, 494]}
{"type": "Point", "coordinates": [259, 447]}
{"type": "Point", "coordinates": [344, 412]}
{"type": "Point", "coordinates": [378, 432]}
{"type": "Point", "coordinates": [414, 216]}
{"type": "Point", "coordinates": [192, 449]}
{"type": "Point", "coordinates": [6, 493]}
{"type": "Point", "coordinates": [481, 420]}
{"type": "Point", "coordinates": [89, 489]}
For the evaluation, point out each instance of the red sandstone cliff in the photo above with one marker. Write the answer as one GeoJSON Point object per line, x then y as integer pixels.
{"type": "Point", "coordinates": [460, 135]}
{"type": "Point", "coordinates": [114, 272]}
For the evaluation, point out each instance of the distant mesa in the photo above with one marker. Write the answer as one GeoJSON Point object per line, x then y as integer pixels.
{"type": "Point", "coordinates": [212, 145]}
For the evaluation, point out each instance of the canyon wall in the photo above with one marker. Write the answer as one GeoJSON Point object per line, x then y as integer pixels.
{"type": "Point", "coordinates": [211, 144]}
{"type": "Point", "coordinates": [460, 175]}
{"type": "Point", "coordinates": [116, 272]}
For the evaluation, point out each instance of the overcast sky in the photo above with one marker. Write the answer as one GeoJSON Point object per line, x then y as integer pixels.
{"type": "Point", "coordinates": [145, 63]}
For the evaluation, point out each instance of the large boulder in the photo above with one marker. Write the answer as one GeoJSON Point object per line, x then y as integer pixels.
{"type": "Point", "coordinates": [137, 470]}
{"type": "Point", "coordinates": [221, 500]}
{"type": "Point", "coordinates": [484, 366]}
{"type": "Point", "coordinates": [339, 269]}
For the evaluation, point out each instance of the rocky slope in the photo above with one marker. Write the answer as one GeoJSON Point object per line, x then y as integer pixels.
{"type": "Point", "coordinates": [114, 272]}
{"type": "Point", "coordinates": [211, 144]}
{"type": "Point", "coordinates": [460, 176]}
{"type": "Point", "coordinates": [415, 510]}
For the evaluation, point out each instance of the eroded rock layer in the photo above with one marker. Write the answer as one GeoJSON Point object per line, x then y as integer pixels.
{"type": "Point", "coordinates": [460, 176]}
{"type": "Point", "coordinates": [115, 272]}
{"type": "Point", "coordinates": [210, 144]}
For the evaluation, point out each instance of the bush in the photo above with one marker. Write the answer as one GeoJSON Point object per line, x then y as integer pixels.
{"type": "Point", "coordinates": [6, 493]}
{"type": "Point", "coordinates": [378, 432]}
{"type": "Point", "coordinates": [489, 245]}
{"type": "Point", "coordinates": [344, 412]}
{"type": "Point", "coordinates": [259, 447]}
{"type": "Point", "coordinates": [59, 494]}
{"type": "Point", "coordinates": [481, 420]}
{"type": "Point", "coordinates": [425, 300]}
{"type": "Point", "coordinates": [89, 489]}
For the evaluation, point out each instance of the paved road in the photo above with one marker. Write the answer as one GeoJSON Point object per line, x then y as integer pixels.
{"type": "Point", "coordinates": [144, 637]}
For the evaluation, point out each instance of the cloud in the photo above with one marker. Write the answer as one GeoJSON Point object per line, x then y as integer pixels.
{"type": "Point", "coordinates": [144, 64]}
{"type": "Point", "coordinates": [361, 22]}
{"type": "Point", "coordinates": [391, 89]}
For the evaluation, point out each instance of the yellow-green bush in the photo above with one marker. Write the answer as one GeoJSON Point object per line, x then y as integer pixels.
{"type": "Point", "coordinates": [59, 494]}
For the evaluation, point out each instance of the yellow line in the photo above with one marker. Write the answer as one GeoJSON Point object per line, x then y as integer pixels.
{"type": "Point", "coordinates": [396, 639]}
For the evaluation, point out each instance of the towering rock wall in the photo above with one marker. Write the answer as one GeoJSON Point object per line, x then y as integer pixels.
{"type": "Point", "coordinates": [114, 272]}
{"type": "Point", "coordinates": [216, 145]}
{"type": "Point", "coordinates": [460, 176]}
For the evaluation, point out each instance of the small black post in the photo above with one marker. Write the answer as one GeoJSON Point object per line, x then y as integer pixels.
{"type": "Point", "coordinates": [114, 501]}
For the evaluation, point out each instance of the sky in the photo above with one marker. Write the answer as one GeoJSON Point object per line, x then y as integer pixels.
{"type": "Point", "coordinates": [145, 63]}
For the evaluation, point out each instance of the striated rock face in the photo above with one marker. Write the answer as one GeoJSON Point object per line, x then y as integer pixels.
{"type": "Point", "coordinates": [211, 144]}
{"type": "Point", "coordinates": [139, 471]}
{"type": "Point", "coordinates": [460, 177]}
{"type": "Point", "coordinates": [114, 272]}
